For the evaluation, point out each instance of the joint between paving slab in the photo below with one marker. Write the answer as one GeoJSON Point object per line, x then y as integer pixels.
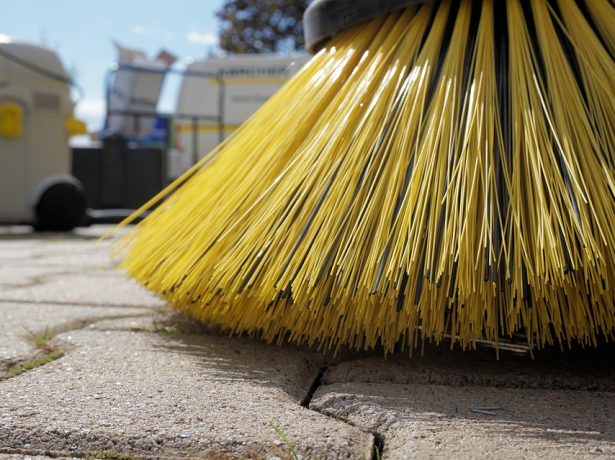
{"type": "Point", "coordinates": [377, 453]}
{"type": "Point", "coordinates": [307, 399]}
{"type": "Point", "coordinates": [110, 455]}
{"type": "Point", "coordinates": [38, 280]}
{"type": "Point", "coordinates": [22, 368]}
{"type": "Point", "coordinates": [378, 446]}
{"type": "Point", "coordinates": [79, 324]}
{"type": "Point", "coordinates": [82, 323]}
{"type": "Point", "coordinates": [52, 353]}
{"type": "Point", "coordinates": [72, 304]}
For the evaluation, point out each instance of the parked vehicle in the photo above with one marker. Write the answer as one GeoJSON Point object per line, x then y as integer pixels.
{"type": "Point", "coordinates": [46, 184]}
{"type": "Point", "coordinates": [232, 88]}
{"type": "Point", "coordinates": [36, 121]}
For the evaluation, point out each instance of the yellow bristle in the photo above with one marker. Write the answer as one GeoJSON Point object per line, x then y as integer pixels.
{"type": "Point", "coordinates": [440, 171]}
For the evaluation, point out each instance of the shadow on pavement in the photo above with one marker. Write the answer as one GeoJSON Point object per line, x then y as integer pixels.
{"type": "Point", "coordinates": [567, 396]}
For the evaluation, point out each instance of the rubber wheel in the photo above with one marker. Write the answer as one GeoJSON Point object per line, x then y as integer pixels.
{"type": "Point", "coordinates": [62, 207]}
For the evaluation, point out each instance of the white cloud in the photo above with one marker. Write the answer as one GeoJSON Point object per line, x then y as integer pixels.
{"type": "Point", "coordinates": [169, 36]}
{"type": "Point", "coordinates": [92, 112]}
{"type": "Point", "coordinates": [138, 30]}
{"type": "Point", "coordinates": [203, 39]}
{"type": "Point", "coordinates": [80, 141]}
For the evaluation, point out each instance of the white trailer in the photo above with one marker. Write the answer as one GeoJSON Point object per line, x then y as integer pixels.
{"type": "Point", "coordinates": [36, 121]}
{"type": "Point", "coordinates": [217, 95]}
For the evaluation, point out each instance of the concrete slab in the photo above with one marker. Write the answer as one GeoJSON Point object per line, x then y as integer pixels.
{"type": "Point", "coordinates": [559, 405]}
{"type": "Point", "coordinates": [13, 276]}
{"type": "Point", "coordinates": [83, 289]}
{"type": "Point", "coordinates": [56, 281]}
{"type": "Point", "coordinates": [167, 394]}
{"type": "Point", "coordinates": [136, 381]}
{"type": "Point", "coordinates": [437, 422]}
{"type": "Point", "coordinates": [54, 250]}
{"type": "Point", "coordinates": [572, 369]}
{"type": "Point", "coordinates": [65, 268]}
{"type": "Point", "coordinates": [19, 319]}
{"type": "Point", "coordinates": [32, 457]}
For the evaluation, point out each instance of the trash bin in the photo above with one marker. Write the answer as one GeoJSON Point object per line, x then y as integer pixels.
{"type": "Point", "coordinates": [119, 176]}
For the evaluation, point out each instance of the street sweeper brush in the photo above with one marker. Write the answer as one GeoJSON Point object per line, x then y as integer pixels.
{"type": "Point", "coordinates": [438, 169]}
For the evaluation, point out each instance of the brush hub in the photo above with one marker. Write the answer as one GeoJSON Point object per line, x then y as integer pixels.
{"type": "Point", "coordinates": [325, 18]}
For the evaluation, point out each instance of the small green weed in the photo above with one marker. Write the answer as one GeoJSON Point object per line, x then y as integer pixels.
{"type": "Point", "coordinates": [155, 328]}
{"type": "Point", "coordinates": [293, 453]}
{"type": "Point", "coordinates": [41, 340]}
{"type": "Point", "coordinates": [377, 452]}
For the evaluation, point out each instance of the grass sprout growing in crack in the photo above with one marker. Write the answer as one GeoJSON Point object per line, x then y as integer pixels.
{"type": "Point", "coordinates": [41, 340]}
{"type": "Point", "coordinates": [293, 453]}
{"type": "Point", "coordinates": [376, 451]}
{"type": "Point", "coordinates": [158, 329]}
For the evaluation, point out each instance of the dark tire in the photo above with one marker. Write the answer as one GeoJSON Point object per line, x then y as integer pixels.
{"type": "Point", "coordinates": [62, 207]}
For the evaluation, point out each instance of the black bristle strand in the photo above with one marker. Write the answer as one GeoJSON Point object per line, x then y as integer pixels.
{"type": "Point", "coordinates": [501, 37]}
{"type": "Point", "coordinates": [468, 67]}
{"type": "Point", "coordinates": [527, 293]}
{"type": "Point", "coordinates": [531, 25]}
{"type": "Point", "coordinates": [309, 222]}
{"type": "Point", "coordinates": [582, 5]}
{"type": "Point", "coordinates": [452, 283]}
{"type": "Point", "coordinates": [329, 292]}
{"type": "Point", "coordinates": [407, 176]}
{"type": "Point", "coordinates": [568, 49]}
{"type": "Point", "coordinates": [401, 297]}
{"type": "Point", "coordinates": [419, 281]}
{"type": "Point", "coordinates": [566, 252]}
{"type": "Point", "coordinates": [250, 273]}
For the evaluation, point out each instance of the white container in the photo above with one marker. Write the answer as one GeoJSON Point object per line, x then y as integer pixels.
{"type": "Point", "coordinates": [36, 120]}
{"type": "Point", "coordinates": [135, 90]}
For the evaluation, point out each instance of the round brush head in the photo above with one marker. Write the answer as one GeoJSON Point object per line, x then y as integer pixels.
{"type": "Point", "coordinates": [325, 18]}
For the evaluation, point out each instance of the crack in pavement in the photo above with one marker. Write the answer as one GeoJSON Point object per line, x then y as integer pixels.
{"type": "Point", "coordinates": [47, 349]}
{"type": "Point", "coordinates": [377, 448]}
{"type": "Point", "coordinates": [372, 444]}
{"type": "Point", "coordinates": [73, 304]}
{"type": "Point", "coordinates": [170, 454]}
{"type": "Point", "coordinates": [307, 399]}
{"type": "Point", "coordinates": [32, 281]}
{"type": "Point", "coordinates": [24, 367]}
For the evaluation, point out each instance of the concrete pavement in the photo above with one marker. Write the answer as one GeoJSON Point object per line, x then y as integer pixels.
{"type": "Point", "coordinates": [94, 366]}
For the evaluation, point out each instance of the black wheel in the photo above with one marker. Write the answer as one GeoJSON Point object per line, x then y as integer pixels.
{"type": "Point", "coordinates": [62, 207]}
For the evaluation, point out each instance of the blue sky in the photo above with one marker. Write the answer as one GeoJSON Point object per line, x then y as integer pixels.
{"type": "Point", "coordinates": [82, 33]}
